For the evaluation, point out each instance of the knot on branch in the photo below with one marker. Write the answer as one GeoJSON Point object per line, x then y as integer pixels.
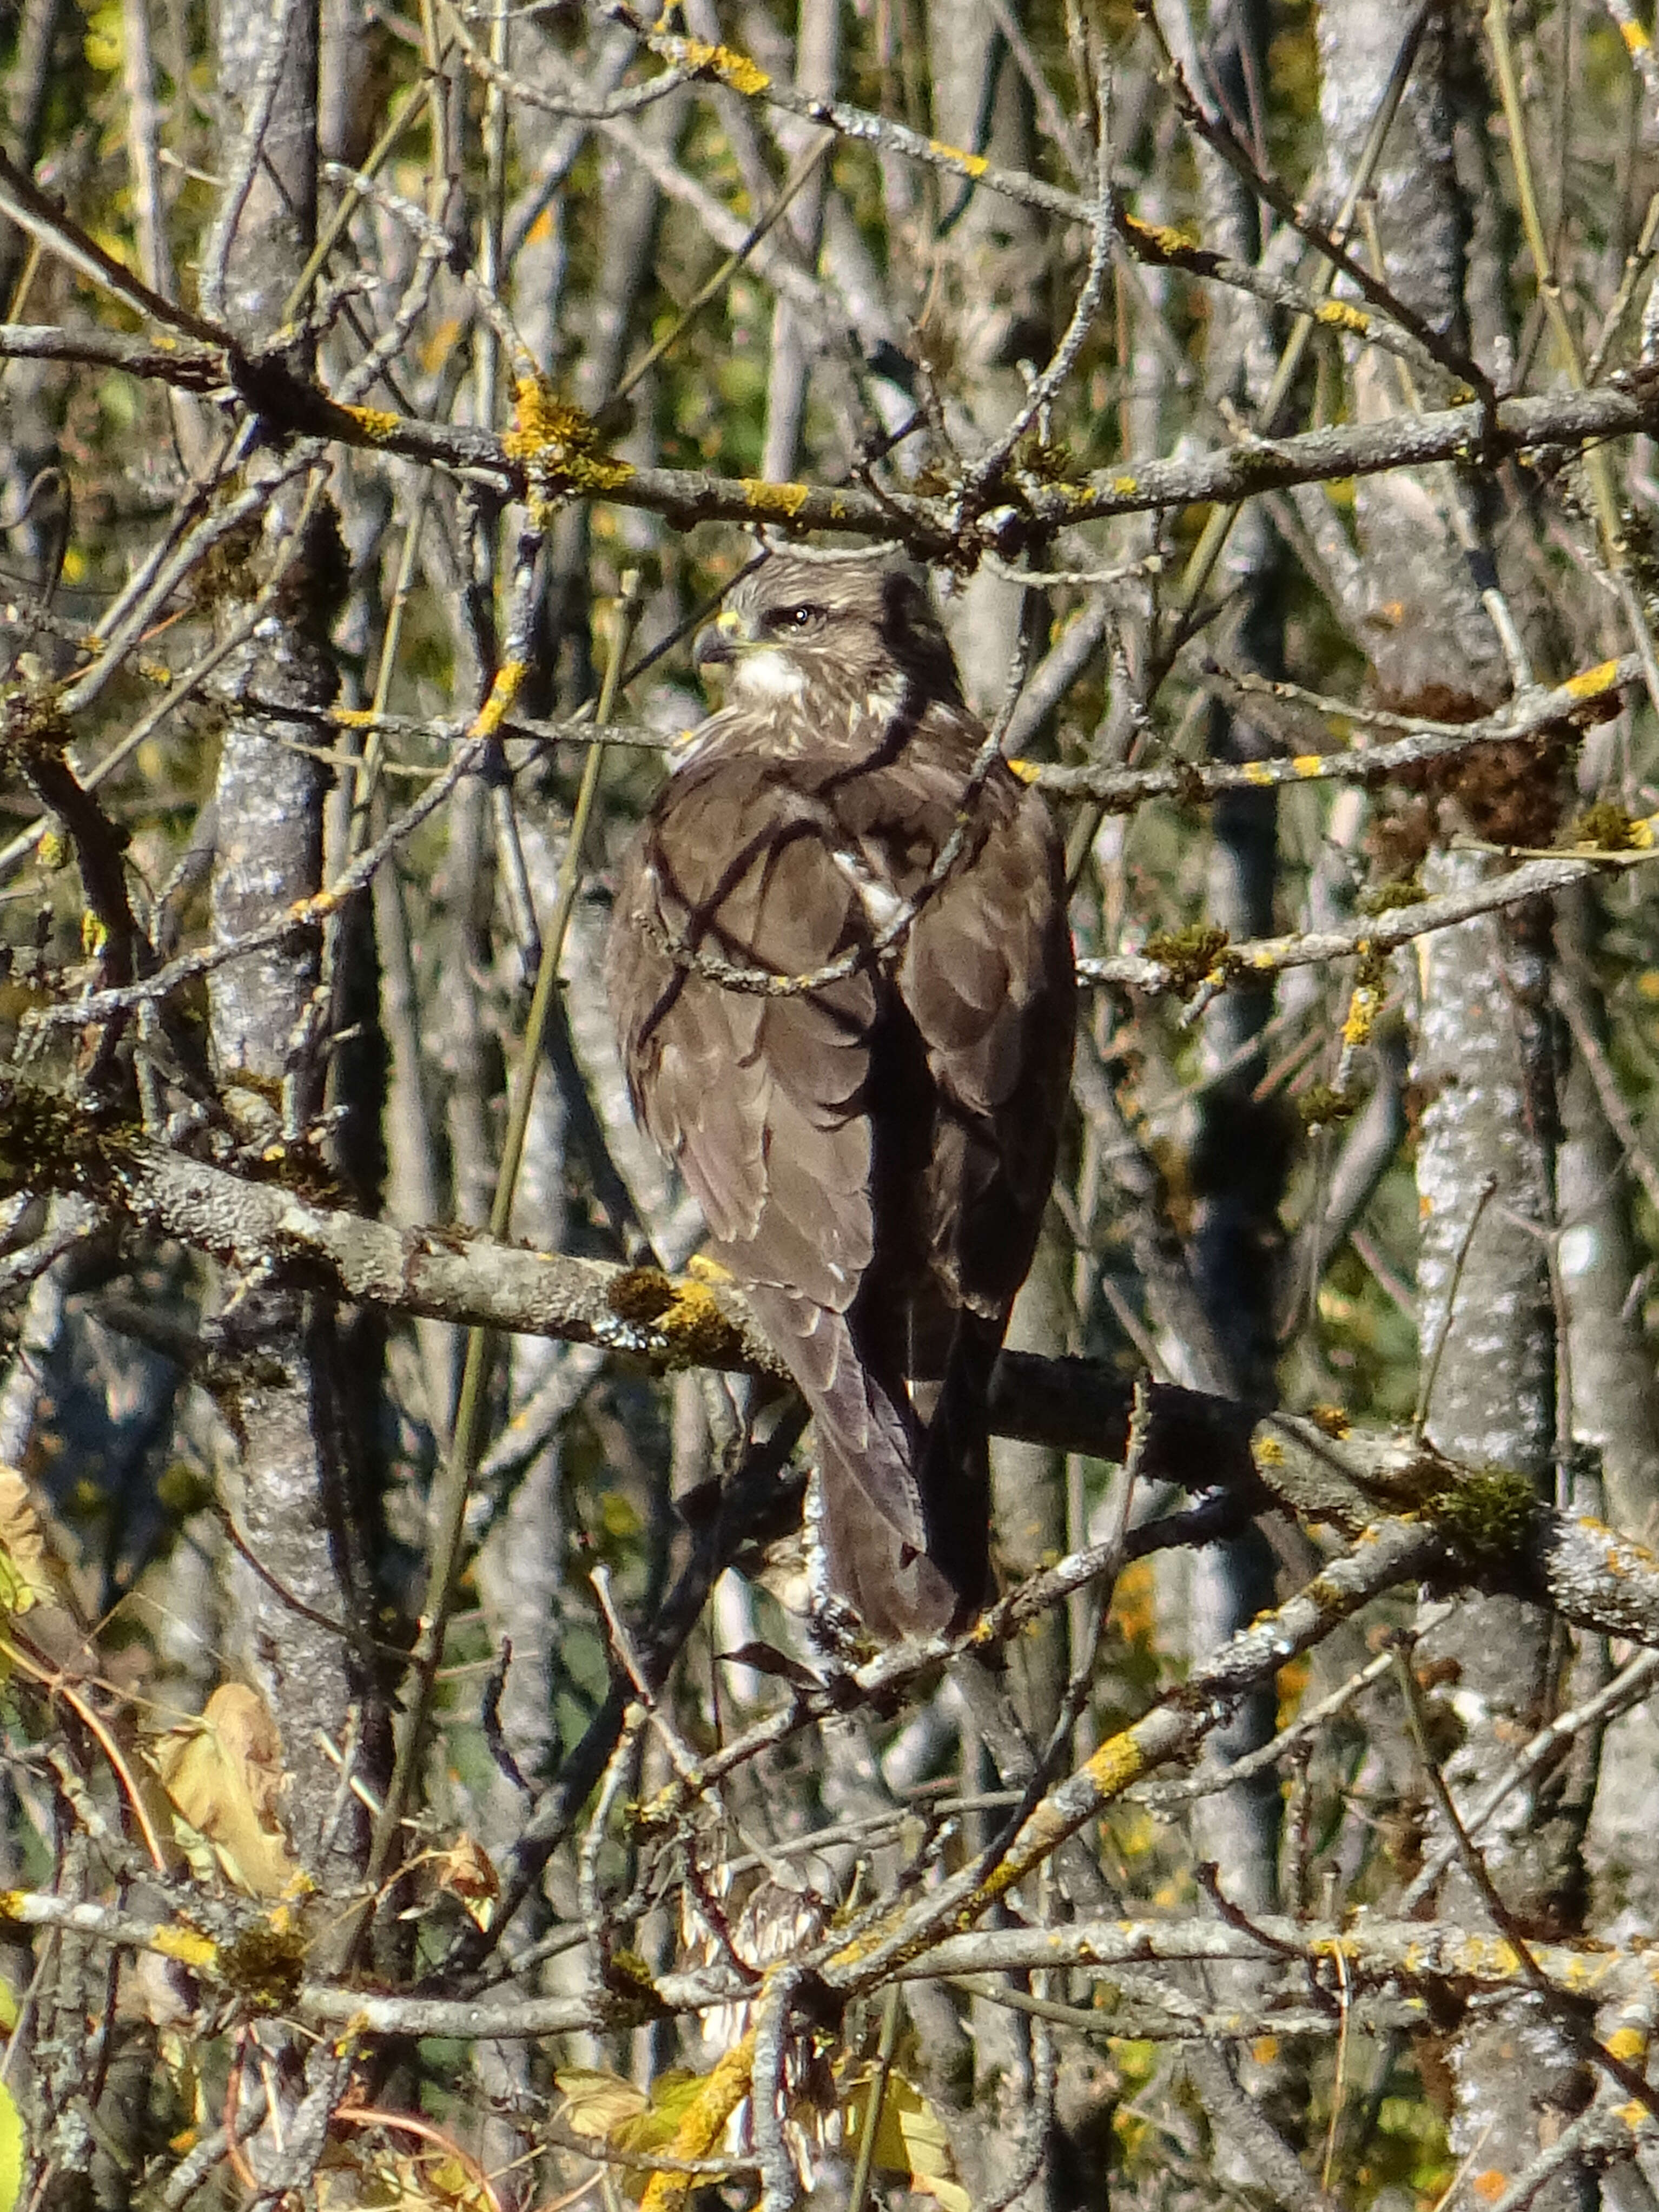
{"type": "Point", "coordinates": [264, 1965]}
{"type": "Point", "coordinates": [1191, 955]}
{"type": "Point", "coordinates": [687, 1316]}
{"type": "Point", "coordinates": [48, 1144]}
{"type": "Point", "coordinates": [33, 730]}
{"type": "Point", "coordinates": [1488, 1516]}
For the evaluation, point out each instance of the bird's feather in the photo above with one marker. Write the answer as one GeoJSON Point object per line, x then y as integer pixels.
{"type": "Point", "coordinates": [872, 1155]}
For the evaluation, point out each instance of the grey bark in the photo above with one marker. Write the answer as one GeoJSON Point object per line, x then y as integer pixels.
{"type": "Point", "coordinates": [1240, 1148]}
{"type": "Point", "coordinates": [1484, 1063]}
{"type": "Point", "coordinates": [281, 1389]}
{"type": "Point", "coordinates": [1449, 663]}
{"type": "Point", "coordinates": [992, 315]}
{"type": "Point", "coordinates": [817, 56]}
{"type": "Point", "coordinates": [1615, 1402]}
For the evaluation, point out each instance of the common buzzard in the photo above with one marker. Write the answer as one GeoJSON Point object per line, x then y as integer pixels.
{"type": "Point", "coordinates": [871, 1154]}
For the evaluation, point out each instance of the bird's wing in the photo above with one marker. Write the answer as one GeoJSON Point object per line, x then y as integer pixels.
{"type": "Point", "coordinates": [760, 1100]}
{"type": "Point", "coordinates": [986, 975]}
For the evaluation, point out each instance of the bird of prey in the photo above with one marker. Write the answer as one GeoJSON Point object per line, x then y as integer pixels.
{"type": "Point", "coordinates": [872, 1154]}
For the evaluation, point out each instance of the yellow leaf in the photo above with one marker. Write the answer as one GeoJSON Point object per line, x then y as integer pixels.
{"type": "Point", "coordinates": [619, 1516]}
{"type": "Point", "coordinates": [672, 2095]}
{"type": "Point", "coordinates": [224, 1775]}
{"type": "Point", "coordinates": [7, 2007]}
{"type": "Point", "coordinates": [910, 2139]}
{"type": "Point", "coordinates": [604, 2107]}
{"type": "Point", "coordinates": [102, 43]}
{"type": "Point", "coordinates": [596, 2104]}
{"type": "Point", "coordinates": [444, 2182]}
{"type": "Point", "coordinates": [12, 2150]}
{"type": "Point", "coordinates": [714, 2097]}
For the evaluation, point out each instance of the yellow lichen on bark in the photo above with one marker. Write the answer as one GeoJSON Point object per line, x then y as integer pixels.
{"type": "Point", "coordinates": [558, 446]}
{"type": "Point", "coordinates": [1591, 683]}
{"type": "Point", "coordinates": [696, 1330]}
{"type": "Point", "coordinates": [509, 677]}
{"type": "Point", "coordinates": [1361, 1018]}
{"type": "Point", "coordinates": [764, 498]}
{"type": "Point", "coordinates": [973, 165]}
{"type": "Point", "coordinates": [698, 59]}
{"type": "Point", "coordinates": [702, 2125]}
{"type": "Point", "coordinates": [376, 423]}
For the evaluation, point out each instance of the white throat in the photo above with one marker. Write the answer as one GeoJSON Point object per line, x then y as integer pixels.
{"type": "Point", "coordinates": [766, 675]}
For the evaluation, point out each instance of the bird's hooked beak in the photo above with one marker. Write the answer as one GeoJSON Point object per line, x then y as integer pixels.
{"type": "Point", "coordinates": [717, 645]}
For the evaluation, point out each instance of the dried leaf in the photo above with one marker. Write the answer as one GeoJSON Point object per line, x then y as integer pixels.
{"type": "Point", "coordinates": [400, 2181]}
{"type": "Point", "coordinates": [767, 1659]}
{"type": "Point", "coordinates": [225, 1777]}
{"type": "Point", "coordinates": [24, 1578]}
{"type": "Point", "coordinates": [465, 1871]}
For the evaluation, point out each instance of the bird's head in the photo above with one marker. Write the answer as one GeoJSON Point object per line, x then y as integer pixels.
{"type": "Point", "coordinates": [859, 631]}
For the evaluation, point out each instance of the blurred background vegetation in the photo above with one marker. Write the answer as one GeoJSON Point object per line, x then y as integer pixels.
{"type": "Point", "coordinates": [325, 1668]}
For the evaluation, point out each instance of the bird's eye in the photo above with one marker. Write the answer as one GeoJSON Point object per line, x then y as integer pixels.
{"type": "Point", "coordinates": [800, 618]}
